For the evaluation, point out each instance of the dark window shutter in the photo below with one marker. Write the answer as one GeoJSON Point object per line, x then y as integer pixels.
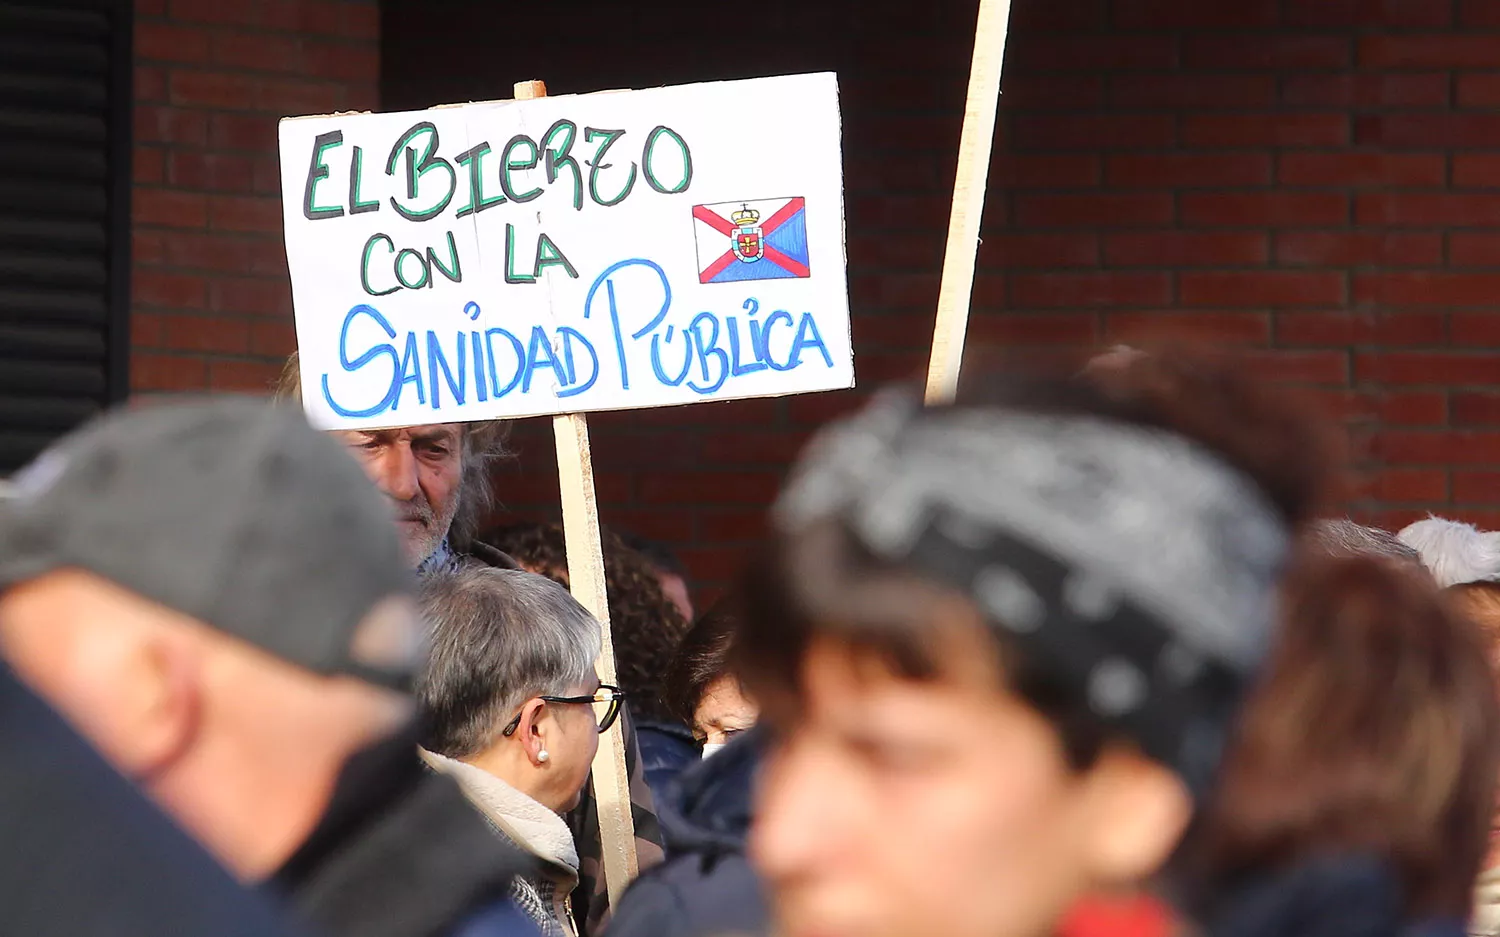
{"type": "Point", "coordinates": [65, 102]}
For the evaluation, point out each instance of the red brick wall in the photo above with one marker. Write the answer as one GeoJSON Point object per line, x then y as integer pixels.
{"type": "Point", "coordinates": [211, 303]}
{"type": "Point", "coordinates": [1310, 179]}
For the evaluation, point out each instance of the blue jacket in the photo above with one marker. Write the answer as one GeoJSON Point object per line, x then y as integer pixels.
{"type": "Point", "coordinates": [706, 886]}
{"type": "Point", "coordinates": [667, 748]}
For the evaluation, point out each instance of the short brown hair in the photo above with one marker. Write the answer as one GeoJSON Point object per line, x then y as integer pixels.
{"type": "Point", "coordinates": [484, 444]}
{"type": "Point", "coordinates": [1376, 730]}
{"type": "Point", "coordinates": [702, 657]}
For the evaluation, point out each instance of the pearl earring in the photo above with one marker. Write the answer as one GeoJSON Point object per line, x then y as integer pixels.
{"type": "Point", "coordinates": [542, 756]}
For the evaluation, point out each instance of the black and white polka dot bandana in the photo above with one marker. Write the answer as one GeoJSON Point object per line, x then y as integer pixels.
{"type": "Point", "coordinates": [1126, 561]}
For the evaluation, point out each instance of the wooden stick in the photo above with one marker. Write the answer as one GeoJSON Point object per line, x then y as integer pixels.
{"type": "Point", "coordinates": [575, 474]}
{"type": "Point", "coordinates": [957, 285]}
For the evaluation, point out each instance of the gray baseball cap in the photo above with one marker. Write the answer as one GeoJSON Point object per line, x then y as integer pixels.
{"type": "Point", "coordinates": [228, 510]}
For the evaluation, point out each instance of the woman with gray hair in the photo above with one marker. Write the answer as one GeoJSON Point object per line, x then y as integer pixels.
{"type": "Point", "coordinates": [514, 710]}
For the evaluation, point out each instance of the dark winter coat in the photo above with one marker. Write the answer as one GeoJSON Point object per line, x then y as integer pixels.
{"type": "Point", "coordinates": [667, 749]}
{"type": "Point", "coordinates": [706, 887]}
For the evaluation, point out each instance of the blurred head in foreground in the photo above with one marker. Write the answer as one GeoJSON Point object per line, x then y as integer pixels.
{"type": "Point", "coordinates": [1362, 773]}
{"type": "Point", "coordinates": [214, 596]}
{"type": "Point", "coordinates": [1001, 643]}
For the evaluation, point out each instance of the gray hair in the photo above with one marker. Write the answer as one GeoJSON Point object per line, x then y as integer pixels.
{"type": "Point", "coordinates": [1455, 552]}
{"type": "Point", "coordinates": [499, 638]}
{"type": "Point", "coordinates": [1343, 538]}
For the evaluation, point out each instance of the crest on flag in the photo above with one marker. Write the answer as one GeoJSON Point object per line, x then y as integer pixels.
{"type": "Point", "coordinates": [756, 239]}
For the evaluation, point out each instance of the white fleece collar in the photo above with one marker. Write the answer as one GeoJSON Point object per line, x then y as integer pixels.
{"type": "Point", "coordinates": [533, 827]}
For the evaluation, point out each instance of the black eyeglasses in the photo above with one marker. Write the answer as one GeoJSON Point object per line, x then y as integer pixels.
{"type": "Point", "coordinates": [606, 702]}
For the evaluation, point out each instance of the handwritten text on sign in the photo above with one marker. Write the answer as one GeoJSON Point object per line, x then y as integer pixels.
{"type": "Point", "coordinates": [572, 253]}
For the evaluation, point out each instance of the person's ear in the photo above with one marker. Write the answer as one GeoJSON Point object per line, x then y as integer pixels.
{"type": "Point", "coordinates": [1138, 810]}
{"type": "Point", "coordinates": [532, 731]}
{"type": "Point", "coordinates": [163, 708]}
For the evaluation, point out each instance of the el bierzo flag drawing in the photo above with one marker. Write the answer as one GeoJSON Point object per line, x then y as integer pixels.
{"type": "Point", "coordinates": [761, 239]}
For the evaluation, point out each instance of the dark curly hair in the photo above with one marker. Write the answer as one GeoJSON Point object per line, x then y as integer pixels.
{"type": "Point", "coordinates": [645, 625]}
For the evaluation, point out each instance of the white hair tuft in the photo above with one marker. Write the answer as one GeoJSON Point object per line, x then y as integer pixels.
{"type": "Point", "coordinates": [1455, 552]}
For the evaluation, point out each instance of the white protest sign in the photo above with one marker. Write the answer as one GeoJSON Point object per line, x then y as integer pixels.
{"type": "Point", "coordinates": [568, 254]}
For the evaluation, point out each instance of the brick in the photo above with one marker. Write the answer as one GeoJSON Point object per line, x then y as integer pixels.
{"type": "Point", "coordinates": [1399, 484]}
{"type": "Point", "coordinates": [1110, 210]}
{"type": "Point", "coordinates": [670, 527]}
{"type": "Point", "coordinates": [1436, 51]}
{"type": "Point", "coordinates": [1049, 90]}
{"type": "Point", "coordinates": [896, 289]}
{"type": "Point", "coordinates": [171, 290]}
{"type": "Point", "coordinates": [146, 247]}
{"type": "Point", "coordinates": [1282, 129]}
{"type": "Point", "coordinates": [170, 42]}
{"type": "Point", "coordinates": [242, 132]}
{"type": "Point", "coordinates": [1428, 367]}
{"type": "Point", "coordinates": [145, 8]}
{"type": "Point", "coordinates": [772, 447]}
{"type": "Point", "coordinates": [912, 131]}
{"type": "Point", "coordinates": [1187, 170]}
{"type": "Point", "coordinates": [894, 251]}
{"type": "Point", "coordinates": [1038, 249]}
{"type": "Point", "coordinates": [1260, 288]}
{"type": "Point", "coordinates": [886, 367]}
{"type": "Point", "coordinates": [1053, 171]}
{"type": "Point", "coordinates": [1048, 328]}
{"type": "Point", "coordinates": [1365, 89]}
{"type": "Point", "coordinates": [1242, 50]}
{"type": "Point", "coordinates": [1477, 486]}
{"type": "Point", "coordinates": [1478, 90]}
{"type": "Point", "coordinates": [1479, 170]}
{"type": "Point", "coordinates": [732, 526]}
{"type": "Point", "coordinates": [268, 258]}
{"type": "Point", "coordinates": [148, 165]}
{"type": "Point", "coordinates": [1089, 131]}
{"type": "Point", "coordinates": [1193, 89]}
{"type": "Point", "coordinates": [1436, 447]}
{"type": "Point", "coordinates": [1462, 130]}
{"type": "Point", "coordinates": [215, 11]}
{"type": "Point", "coordinates": [151, 372]}
{"type": "Point", "coordinates": [1362, 169]}
{"type": "Point", "coordinates": [1235, 328]}
{"type": "Point", "coordinates": [266, 176]}
{"type": "Point", "coordinates": [1367, 13]}
{"type": "Point", "coordinates": [361, 20]}
{"type": "Point", "coordinates": [1476, 408]}
{"type": "Point", "coordinates": [1061, 290]}
{"type": "Point", "coordinates": [889, 330]}
{"type": "Point", "coordinates": [889, 172]}
{"type": "Point", "coordinates": [1079, 14]}
{"type": "Point", "coordinates": [205, 333]}
{"type": "Point", "coordinates": [221, 172]}
{"type": "Point", "coordinates": [1180, 14]}
{"type": "Point", "coordinates": [206, 251]}
{"type": "Point", "coordinates": [1359, 248]}
{"type": "Point", "coordinates": [1473, 249]}
{"type": "Point", "coordinates": [170, 125]}
{"type": "Point", "coordinates": [817, 409]}
{"type": "Point", "coordinates": [258, 52]}
{"type": "Point", "coordinates": [1412, 408]}
{"type": "Point", "coordinates": [1346, 327]}
{"type": "Point", "coordinates": [1474, 328]}
{"type": "Point", "coordinates": [210, 89]}
{"type": "Point", "coordinates": [145, 329]}
{"type": "Point", "coordinates": [1254, 209]}
{"type": "Point", "coordinates": [1301, 367]}
{"type": "Point", "coordinates": [1479, 12]}
{"type": "Point", "coordinates": [904, 212]}
{"type": "Point", "coordinates": [150, 84]}
{"type": "Point", "coordinates": [1185, 249]}
{"type": "Point", "coordinates": [244, 213]}
{"type": "Point", "coordinates": [244, 296]}
{"type": "Point", "coordinates": [1427, 288]}
{"type": "Point", "coordinates": [1090, 53]}
{"type": "Point", "coordinates": [168, 208]}
{"type": "Point", "coordinates": [698, 488]}
{"type": "Point", "coordinates": [1435, 209]}
{"type": "Point", "coordinates": [714, 565]}
{"type": "Point", "coordinates": [256, 377]}
{"type": "Point", "coordinates": [341, 60]}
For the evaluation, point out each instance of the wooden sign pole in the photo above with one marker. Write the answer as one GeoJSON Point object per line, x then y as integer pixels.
{"type": "Point", "coordinates": [575, 471]}
{"type": "Point", "coordinates": [957, 285]}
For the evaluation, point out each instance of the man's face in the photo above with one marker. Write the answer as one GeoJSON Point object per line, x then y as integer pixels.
{"type": "Point", "coordinates": [420, 468]}
{"type": "Point", "coordinates": [896, 808]}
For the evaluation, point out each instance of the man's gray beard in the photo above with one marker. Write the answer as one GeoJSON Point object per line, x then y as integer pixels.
{"type": "Point", "coordinates": [419, 549]}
